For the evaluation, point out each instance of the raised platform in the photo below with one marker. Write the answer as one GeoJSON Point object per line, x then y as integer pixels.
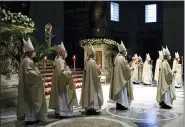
{"type": "Point", "coordinates": [47, 77]}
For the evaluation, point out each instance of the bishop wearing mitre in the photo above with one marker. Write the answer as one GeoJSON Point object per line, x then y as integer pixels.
{"type": "Point", "coordinates": [147, 71]}
{"type": "Point", "coordinates": [31, 95]}
{"type": "Point", "coordinates": [165, 89]}
{"type": "Point", "coordinates": [134, 68]}
{"type": "Point", "coordinates": [178, 67]}
{"type": "Point", "coordinates": [92, 95]}
{"type": "Point", "coordinates": [158, 62]}
{"type": "Point", "coordinates": [63, 95]}
{"type": "Point", "coordinates": [121, 89]}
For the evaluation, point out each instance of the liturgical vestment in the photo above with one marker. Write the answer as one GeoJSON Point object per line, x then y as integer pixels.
{"type": "Point", "coordinates": [31, 95]}
{"type": "Point", "coordinates": [147, 73]}
{"type": "Point", "coordinates": [158, 62]}
{"type": "Point", "coordinates": [140, 71]}
{"type": "Point", "coordinates": [92, 95]}
{"type": "Point", "coordinates": [63, 94]}
{"type": "Point", "coordinates": [178, 76]}
{"type": "Point", "coordinates": [121, 89]}
{"type": "Point", "coordinates": [135, 74]}
{"type": "Point", "coordinates": [165, 88]}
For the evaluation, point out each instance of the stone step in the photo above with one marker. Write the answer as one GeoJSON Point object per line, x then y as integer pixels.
{"type": "Point", "coordinates": [47, 84]}
{"type": "Point", "coordinates": [77, 80]}
{"type": "Point", "coordinates": [47, 74]}
{"type": "Point", "coordinates": [78, 72]}
{"type": "Point", "coordinates": [46, 71]}
{"type": "Point", "coordinates": [76, 69]}
{"type": "Point", "coordinates": [47, 89]}
{"type": "Point", "coordinates": [78, 85]}
{"type": "Point", "coordinates": [51, 71]}
{"type": "Point", "coordinates": [77, 75]}
{"type": "Point", "coordinates": [47, 97]}
{"type": "Point", "coordinates": [47, 67]}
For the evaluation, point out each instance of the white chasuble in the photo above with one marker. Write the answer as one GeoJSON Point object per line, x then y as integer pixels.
{"type": "Point", "coordinates": [135, 72]}
{"type": "Point", "coordinates": [140, 71]}
{"type": "Point", "coordinates": [158, 62]}
{"type": "Point", "coordinates": [63, 94]}
{"type": "Point", "coordinates": [165, 88]}
{"type": "Point", "coordinates": [92, 95]}
{"type": "Point", "coordinates": [178, 81]}
{"type": "Point", "coordinates": [147, 73]}
{"type": "Point", "coordinates": [121, 89]}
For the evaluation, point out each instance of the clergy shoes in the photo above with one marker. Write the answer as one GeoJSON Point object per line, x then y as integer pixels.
{"type": "Point", "coordinates": [92, 112]}
{"type": "Point", "coordinates": [177, 87]}
{"type": "Point", "coordinates": [57, 115]}
{"type": "Point", "coordinates": [30, 122]}
{"type": "Point", "coordinates": [120, 107]}
{"type": "Point", "coordinates": [164, 106]}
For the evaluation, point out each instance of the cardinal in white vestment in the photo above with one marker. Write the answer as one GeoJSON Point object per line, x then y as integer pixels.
{"type": "Point", "coordinates": [140, 69]}
{"type": "Point", "coordinates": [92, 95]}
{"type": "Point", "coordinates": [63, 94]}
{"type": "Point", "coordinates": [31, 95]}
{"type": "Point", "coordinates": [165, 89]}
{"type": "Point", "coordinates": [121, 89]}
{"type": "Point", "coordinates": [158, 62]}
{"type": "Point", "coordinates": [178, 67]}
{"type": "Point", "coordinates": [135, 69]}
{"type": "Point", "coordinates": [147, 71]}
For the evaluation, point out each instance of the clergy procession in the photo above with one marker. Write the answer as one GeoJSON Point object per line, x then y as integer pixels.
{"type": "Point", "coordinates": [32, 105]}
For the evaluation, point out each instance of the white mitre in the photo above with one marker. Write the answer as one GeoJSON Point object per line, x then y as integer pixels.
{"type": "Point", "coordinates": [121, 47]}
{"type": "Point", "coordinates": [28, 46]}
{"type": "Point", "coordinates": [140, 57]}
{"type": "Point", "coordinates": [166, 51]}
{"type": "Point", "coordinates": [148, 56]}
{"type": "Point", "coordinates": [160, 53]}
{"type": "Point", "coordinates": [135, 55]}
{"type": "Point", "coordinates": [60, 47]}
{"type": "Point", "coordinates": [175, 55]}
{"type": "Point", "coordinates": [178, 55]}
{"type": "Point", "coordinates": [90, 50]}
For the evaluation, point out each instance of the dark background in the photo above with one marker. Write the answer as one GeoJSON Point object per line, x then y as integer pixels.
{"type": "Point", "coordinates": [73, 21]}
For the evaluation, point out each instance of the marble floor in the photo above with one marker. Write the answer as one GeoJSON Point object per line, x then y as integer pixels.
{"type": "Point", "coordinates": [144, 112]}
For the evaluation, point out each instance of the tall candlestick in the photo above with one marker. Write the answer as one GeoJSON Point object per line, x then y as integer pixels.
{"type": "Point", "coordinates": [45, 61]}
{"type": "Point", "coordinates": [74, 60]}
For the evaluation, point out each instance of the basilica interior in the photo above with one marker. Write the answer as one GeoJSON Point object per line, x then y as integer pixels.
{"type": "Point", "coordinates": [143, 26]}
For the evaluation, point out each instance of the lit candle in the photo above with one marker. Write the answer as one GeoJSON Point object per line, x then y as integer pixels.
{"type": "Point", "coordinates": [45, 59]}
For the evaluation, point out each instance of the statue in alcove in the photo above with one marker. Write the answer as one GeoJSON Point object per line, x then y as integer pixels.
{"type": "Point", "coordinates": [48, 33]}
